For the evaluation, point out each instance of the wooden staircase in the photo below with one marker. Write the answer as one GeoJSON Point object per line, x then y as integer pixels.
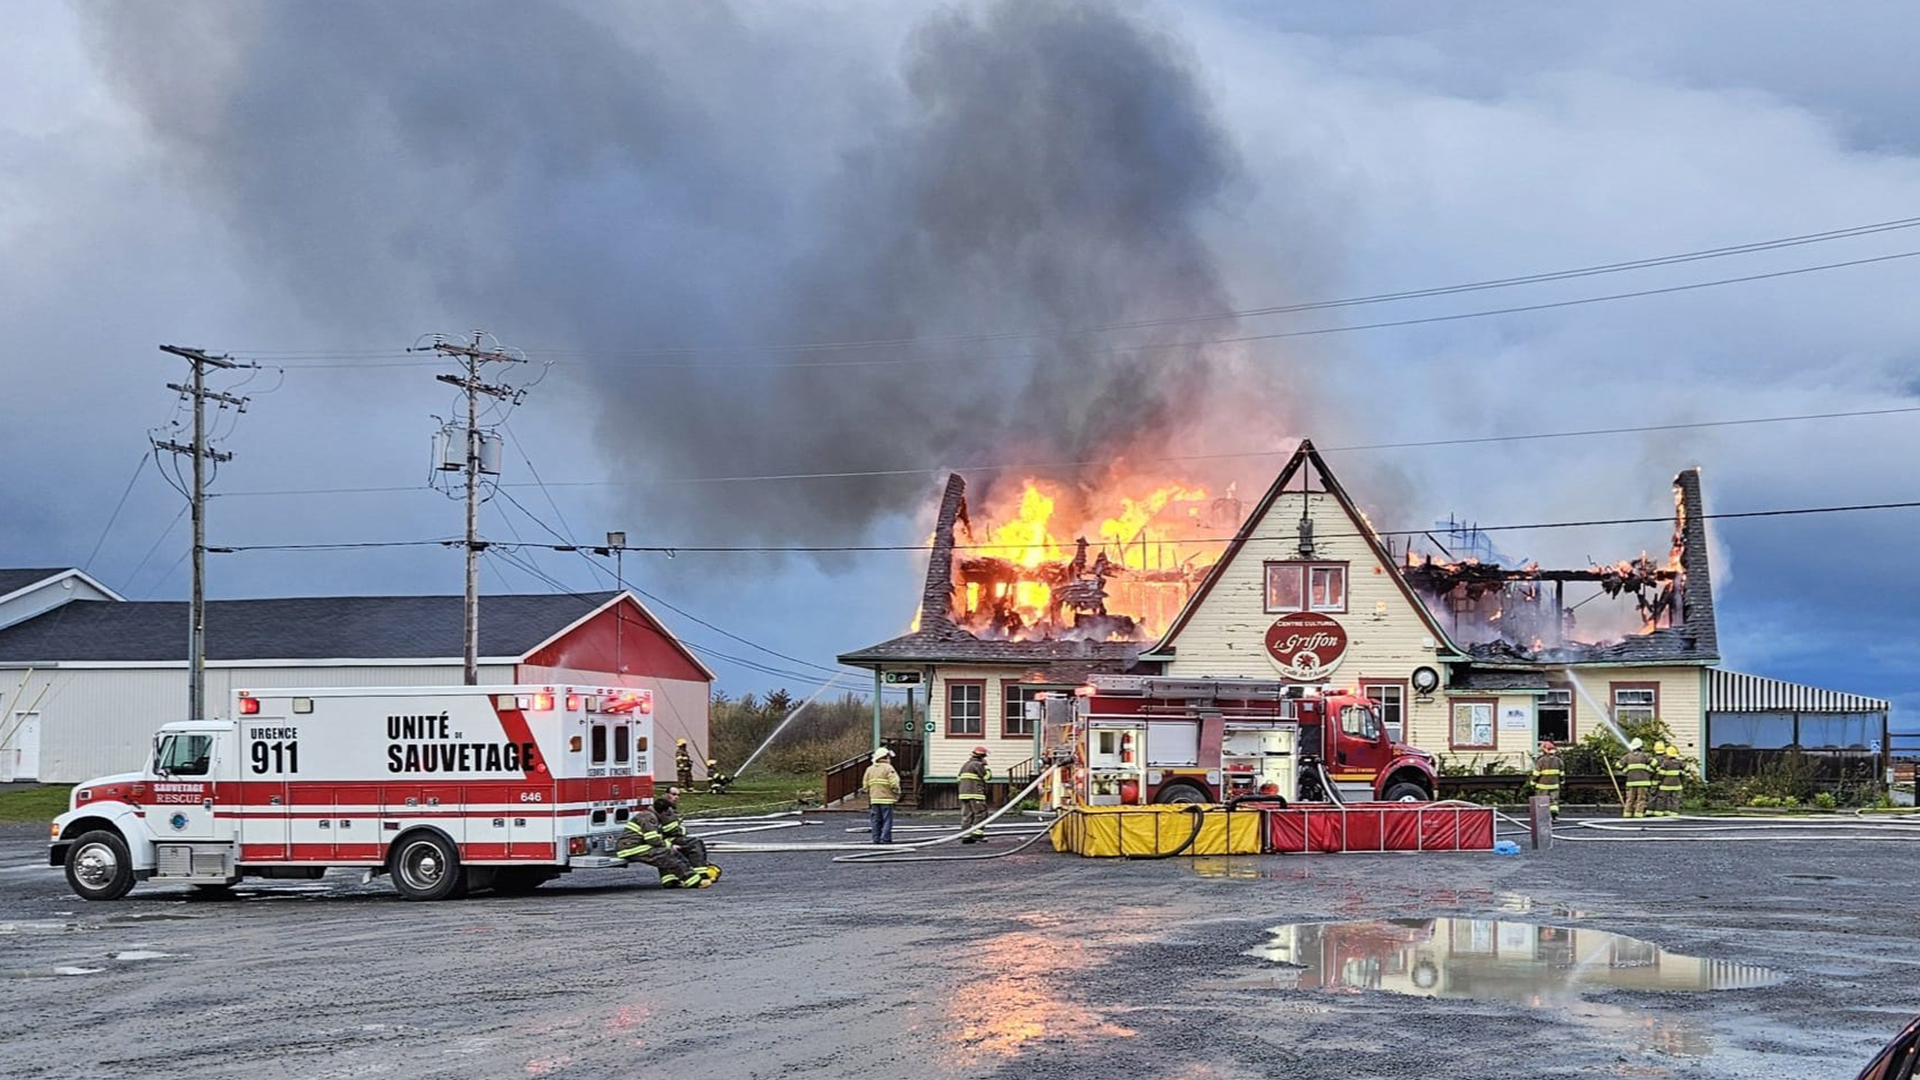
{"type": "Point", "coordinates": [841, 786]}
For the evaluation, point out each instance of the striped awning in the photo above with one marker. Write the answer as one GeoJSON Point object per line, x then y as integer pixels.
{"type": "Point", "coordinates": [1731, 691]}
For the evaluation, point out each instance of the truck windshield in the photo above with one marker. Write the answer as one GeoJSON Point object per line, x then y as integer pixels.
{"type": "Point", "coordinates": [1359, 722]}
{"type": "Point", "coordinates": [183, 755]}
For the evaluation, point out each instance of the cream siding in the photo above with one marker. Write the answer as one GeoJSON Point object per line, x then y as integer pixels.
{"type": "Point", "coordinates": [1386, 637]}
{"type": "Point", "coordinates": [945, 755]}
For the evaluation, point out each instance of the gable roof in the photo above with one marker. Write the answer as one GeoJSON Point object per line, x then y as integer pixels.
{"type": "Point", "coordinates": [18, 580]}
{"type": "Point", "coordinates": [298, 628]}
{"type": "Point", "coordinates": [1306, 454]}
{"type": "Point", "coordinates": [949, 644]}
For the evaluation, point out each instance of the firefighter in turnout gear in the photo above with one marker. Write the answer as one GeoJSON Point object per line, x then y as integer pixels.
{"type": "Point", "coordinates": [1547, 769]}
{"type": "Point", "coordinates": [1667, 766]}
{"type": "Point", "coordinates": [882, 782]}
{"type": "Point", "coordinates": [666, 807]}
{"type": "Point", "coordinates": [717, 781]}
{"type": "Point", "coordinates": [643, 842]}
{"type": "Point", "coordinates": [1639, 769]}
{"type": "Point", "coordinates": [682, 764]}
{"type": "Point", "coordinates": [973, 796]}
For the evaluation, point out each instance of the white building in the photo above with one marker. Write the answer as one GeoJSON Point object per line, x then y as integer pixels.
{"type": "Point", "coordinates": [86, 676]}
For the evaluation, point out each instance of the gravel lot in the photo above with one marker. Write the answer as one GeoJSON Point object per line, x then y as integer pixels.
{"type": "Point", "coordinates": [1039, 965]}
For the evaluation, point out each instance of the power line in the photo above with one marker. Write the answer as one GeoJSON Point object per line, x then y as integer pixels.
{"type": "Point", "coordinates": [115, 516]}
{"type": "Point", "coordinates": [858, 548]}
{"type": "Point", "coordinates": [1469, 440]}
{"type": "Point", "coordinates": [1849, 232]}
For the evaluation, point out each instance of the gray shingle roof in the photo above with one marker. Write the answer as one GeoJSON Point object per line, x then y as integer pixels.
{"type": "Point", "coordinates": [949, 644]}
{"type": "Point", "coordinates": [14, 579]}
{"type": "Point", "coordinates": [299, 628]}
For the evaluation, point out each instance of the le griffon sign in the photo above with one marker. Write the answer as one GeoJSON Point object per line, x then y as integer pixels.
{"type": "Point", "coordinates": [1306, 645]}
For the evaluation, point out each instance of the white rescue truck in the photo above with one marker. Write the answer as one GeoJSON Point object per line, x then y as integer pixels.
{"type": "Point", "coordinates": [445, 788]}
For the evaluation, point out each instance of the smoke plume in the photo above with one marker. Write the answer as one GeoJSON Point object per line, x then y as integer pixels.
{"type": "Point", "coordinates": [735, 183]}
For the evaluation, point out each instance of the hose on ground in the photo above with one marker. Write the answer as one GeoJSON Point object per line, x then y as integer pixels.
{"type": "Point", "coordinates": [869, 854]}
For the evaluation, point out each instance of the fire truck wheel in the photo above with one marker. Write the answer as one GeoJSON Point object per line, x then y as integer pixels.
{"type": "Point", "coordinates": [1180, 794]}
{"type": "Point", "coordinates": [426, 867]}
{"type": "Point", "coordinates": [99, 867]}
{"type": "Point", "coordinates": [1406, 791]}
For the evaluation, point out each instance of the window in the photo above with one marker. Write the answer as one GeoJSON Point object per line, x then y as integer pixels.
{"type": "Point", "coordinates": [1555, 716]}
{"type": "Point", "coordinates": [1300, 586]}
{"type": "Point", "coordinates": [1472, 727]}
{"type": "Point", "coordinates": [1839, 731]}
{"type": "Point", "coordinates": [183, 755]}
{"type": "Point", "coordinates": [1756, 730]}
{"type": "Point", "coordinates": [966, 708]}
{"type": "Point", "coordinates": [598, 756]}
{"type": "Point", "coordinates": [1019, 710]}
{"type": "Point", "coordinates": [1635, 703]}
{"type": "Point", "coordinates": [1358, 722]}
{"type": "Point", "coordinates": [622, 744]}
{"type": "Point", "coordinates": [1392, 699]}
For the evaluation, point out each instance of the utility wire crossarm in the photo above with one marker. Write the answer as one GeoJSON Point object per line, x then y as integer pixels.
{"type": "Point", "coordinates": [201, 453]}
{"type": "Point", "coordinates": [471, 358]}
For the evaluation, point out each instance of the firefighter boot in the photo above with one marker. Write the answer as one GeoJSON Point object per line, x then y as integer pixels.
{"type": "Point", "coordinates": [713, 872]}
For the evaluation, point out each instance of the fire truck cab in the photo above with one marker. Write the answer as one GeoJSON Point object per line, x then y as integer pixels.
{"type": "Point", "coordinates": [444, 788]}
{"type": "Point", "coordinates": [1136, 739]}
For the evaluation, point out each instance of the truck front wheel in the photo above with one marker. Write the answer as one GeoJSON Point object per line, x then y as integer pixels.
{"type": "Point", "coordinates": [1406, 791]}
{"type": "Point", "coordinates": [1180, 794]}
{"type": "Point", "coordinates": [425, 866]}
{"type": "Point", "coordinates": [99, 867]}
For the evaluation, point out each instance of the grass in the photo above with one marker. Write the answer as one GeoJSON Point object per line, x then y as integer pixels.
{"type": "Point", "coordinates": [756, 792]}
{"type": "Point", "coordinates": [34, 805]}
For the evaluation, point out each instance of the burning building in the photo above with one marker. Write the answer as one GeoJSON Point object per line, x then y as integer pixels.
{"type": "Point", "coordinates": [1467, 657]}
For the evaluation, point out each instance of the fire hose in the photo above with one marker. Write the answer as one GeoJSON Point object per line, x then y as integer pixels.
{"type": "Point", "coordinates": [910, 853]}
{"type": "Point", "coordinates": [1696, 828]}
{"type": "Point", "coordinates": [1199, 818]}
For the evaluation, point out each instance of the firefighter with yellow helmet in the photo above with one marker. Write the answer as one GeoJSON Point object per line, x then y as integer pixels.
{"type": "Point", "coordinates": [682, 764]}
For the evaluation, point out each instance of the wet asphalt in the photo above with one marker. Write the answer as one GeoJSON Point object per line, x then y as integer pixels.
{"type": "Point", "coordinates": [1038, 965]}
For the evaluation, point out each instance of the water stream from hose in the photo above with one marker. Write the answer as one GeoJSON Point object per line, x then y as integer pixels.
{"type": "Point", "coordinates": [782, 725]}
{"type": "Point", "coordinates": [1605, 717]}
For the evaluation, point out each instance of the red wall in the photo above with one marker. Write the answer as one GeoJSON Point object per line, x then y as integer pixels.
{"type": "Point", "coordinates": [639, 644]}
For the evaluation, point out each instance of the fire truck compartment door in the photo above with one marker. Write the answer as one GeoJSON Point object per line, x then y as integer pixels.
{"type": "Point", "coordinates": [1173, 742]}
{"type": "Point", "coordinates": [263, 831]}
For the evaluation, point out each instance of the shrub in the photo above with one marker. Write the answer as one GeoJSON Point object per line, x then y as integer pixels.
{"type": "Point", "coordinates": [1825, 800]}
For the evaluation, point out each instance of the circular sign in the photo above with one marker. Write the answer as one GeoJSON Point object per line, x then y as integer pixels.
{"type": "Point", "coordinates": [1306, 645]}
{"type": "Point", "coordinates": [1425, 680]}
{"type": "Point", "coordinates": [930, 727]}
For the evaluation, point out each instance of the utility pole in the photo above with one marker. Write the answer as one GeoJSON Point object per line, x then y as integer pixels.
{"type": "Point", "coordinates": [471, 358]}
{"type": "Point", "coordinates": [201, 454]}
{"type": "Point", "coordinates": [618, 542]}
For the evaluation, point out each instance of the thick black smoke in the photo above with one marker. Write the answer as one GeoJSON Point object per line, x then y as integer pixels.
{"type": "Point", "coordinates": [577, 182]}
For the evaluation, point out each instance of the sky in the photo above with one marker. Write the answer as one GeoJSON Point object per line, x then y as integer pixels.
{"type": "Point", "coordinates": [757, 239]}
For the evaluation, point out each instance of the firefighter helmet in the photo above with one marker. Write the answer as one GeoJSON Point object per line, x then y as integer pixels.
{"type": "Point", "coordinates": [883, 752]}
{"type": "Point", "coordinates": [1546, 746]}
{"type": "Point", "coordinates": [980, 751]}
{"type": "Point", "coordinates": [1633, 743]}
{"type": "Point", "coordinates": [679, 742]}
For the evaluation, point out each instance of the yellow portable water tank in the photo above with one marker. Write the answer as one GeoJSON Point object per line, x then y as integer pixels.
{"type": "Point", "coordinates": [1112, 831]}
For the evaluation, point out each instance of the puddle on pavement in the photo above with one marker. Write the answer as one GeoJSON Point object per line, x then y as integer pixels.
{"type": "Point", "coordinates": [1526, 905]}
{"type": "Point", "coordinates": [1520, 963]}
{"type": "Point", "coordinates": [140, 954]}
{"type": "Point", "coordinates": [1491, 960]}
{"type": "Point", "coordinates": [53, 972]}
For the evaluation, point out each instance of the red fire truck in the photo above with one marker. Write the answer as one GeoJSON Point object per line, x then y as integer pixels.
{"type": "Point", "coordinates": [1136, 739]}
{"type": "Point", "coordinates": [444, 788]}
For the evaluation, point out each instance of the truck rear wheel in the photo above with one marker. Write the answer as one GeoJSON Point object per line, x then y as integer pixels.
{"type": "Point", "coordinates": [1406, 791]}
{"type": "Point", "coordinates": [425, 866]}
{"type": "Point", "coordinates": [99, 866]}
{"type": "Point", "coordinates": [1180, 794]}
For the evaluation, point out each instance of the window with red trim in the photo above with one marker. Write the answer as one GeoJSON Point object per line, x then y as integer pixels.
{"type": "Point", "coordinates": [1014, 698]}
{"type": "Point", "coordinates": [966, 708]}
{"type": "Point", "coordinates": [1306, 586]}
{"type": "Point", "coordinates": [1470, 723]}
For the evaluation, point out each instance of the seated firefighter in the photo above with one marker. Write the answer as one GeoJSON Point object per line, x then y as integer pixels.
{"type": "Point", "coordinates": [643, 842]}
{"type": "Point", "coordinates": [666, 807]}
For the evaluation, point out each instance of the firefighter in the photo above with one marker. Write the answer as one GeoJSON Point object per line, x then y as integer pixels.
{"type": "Point", "coordinates": [1669, 769]}
{"type": "Point", "coordinates": [717, 781]}
{"type": "Point", "coordinates": [1546, 776]}
{"type": "Point", "coordinates": [644, 843]}
{"type": "Point", "coordinates": [1639, 769]}
{"type": "Point", "coordinates": [882, 782]}
{"type": "Point", "coordinates": [666, 807]}
{"type": "Point", "coordinates": [682, 764]}
{"type": "Point", "coordinates": [973, 796]}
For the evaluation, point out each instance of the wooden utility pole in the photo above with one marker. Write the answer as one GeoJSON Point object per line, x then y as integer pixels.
{"type": "Point", "coordinates": [201, 454]}
{"type": "Point", "coordinates": [471, 358]}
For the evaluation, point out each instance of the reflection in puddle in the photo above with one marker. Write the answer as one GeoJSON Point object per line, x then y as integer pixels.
{"type": "Point", "coordinates": [1496, 960]}
{"type": "Point", "coordinates": [1017, 991]}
